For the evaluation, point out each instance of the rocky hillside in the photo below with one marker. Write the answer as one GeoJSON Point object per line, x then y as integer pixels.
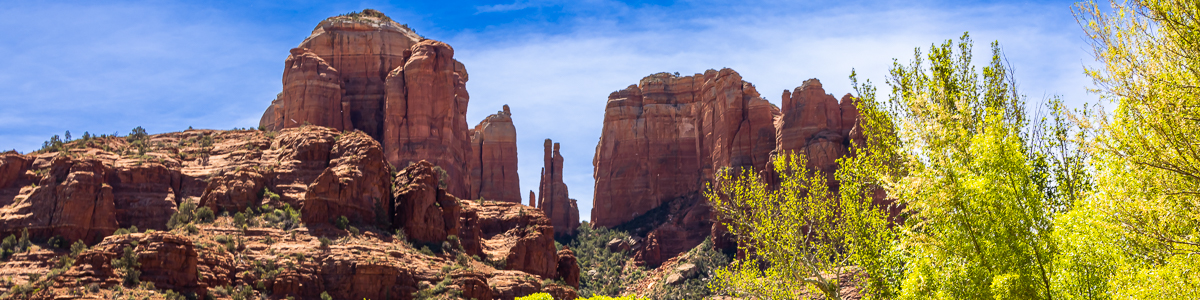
{"type": "Point", "coordinates": [294, 213]}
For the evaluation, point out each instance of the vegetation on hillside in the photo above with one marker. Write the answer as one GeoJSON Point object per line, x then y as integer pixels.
{"type": "Point", "coordinates": [602, 272]}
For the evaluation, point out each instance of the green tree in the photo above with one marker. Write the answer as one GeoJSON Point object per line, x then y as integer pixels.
{"type": "Point", "coordinates": [981, 184]}
{"type": "Point", "coordinates": [1136, 236]}
{"type": "Point", "coordinates": [807, 236]}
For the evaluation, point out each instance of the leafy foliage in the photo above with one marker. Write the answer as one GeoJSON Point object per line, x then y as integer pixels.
{"type": "Point", "coordinates": [1135, 236]}
{"type": "Point", "coordinates": [800, 231]}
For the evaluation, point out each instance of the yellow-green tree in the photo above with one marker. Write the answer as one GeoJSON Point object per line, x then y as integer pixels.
{"type": "Point", "coordinates": [802, 239]}
{"type": "Point", "coordinates": [1138, 235]}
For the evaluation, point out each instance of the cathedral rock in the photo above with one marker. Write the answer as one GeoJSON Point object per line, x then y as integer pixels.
{"type": "Point", "coordinates": [665, 138]}
{"type": "Point", "coordinates": [366, 72]}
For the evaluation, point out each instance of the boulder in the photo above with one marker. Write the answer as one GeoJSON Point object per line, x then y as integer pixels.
{"type": "Point", "coordinates": [568, 267]}
{"type": "Point", "coordinates": [357, 183]}
{"type": "Point", "coordinates": [425, 211]}
{"type": "Point", "coordinates": [518, 235]}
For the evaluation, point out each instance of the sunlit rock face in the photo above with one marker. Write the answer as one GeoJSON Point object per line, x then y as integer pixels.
{"type": "Point", "coordinates": [366, 72]}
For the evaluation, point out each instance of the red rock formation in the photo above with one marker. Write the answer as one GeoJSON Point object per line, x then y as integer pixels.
{"type": "Point", "coordinates": [815, 123]}
{"type": "Point", "coordinates": [425, 211]}
{"type": "Point", "coordinates": [363, 49]}
{"type": "Point", "coordinates": [519, 235]}
{"type": "Point", "coordinates": [234, 191]}
{"type": "Point", "coordinates": [568, 268]}
{"type": "Point", "coordinates": [167, 260]}
{"type": "Point", "coordinates": [71, 200]}
{"type": "Point", "coordinates": [312, 94]}
{"type": "Point", "coordinates": [554, 200]}
{"type": "Point", "coordinates": [426, 113]}
{"type": "Point", "coordinates": [666, 136]}
{"type": "Point", "coordinates": [494, 159]}
{"type": "Point", "coordinates": [357, 183]}
{"type": "Point", "coordinates": [369, 73]}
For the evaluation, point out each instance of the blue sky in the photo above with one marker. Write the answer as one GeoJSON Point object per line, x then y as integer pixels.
{"type": "Point", "coordinates": [108, 67]}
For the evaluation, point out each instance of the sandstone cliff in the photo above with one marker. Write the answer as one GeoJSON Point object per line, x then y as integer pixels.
{"type": "Point", "coordinates": [815, 124]}
{"type": "Point", "coordinates": [553, 199]}
{"type": "Point", "coordinates": [366, 72]}
{"type": "Point", "coordinates": [665, 137]}
{"type": "Point", "coordinates": [96, 186]}
{"type": "Point", "coordinates": [494, 159]}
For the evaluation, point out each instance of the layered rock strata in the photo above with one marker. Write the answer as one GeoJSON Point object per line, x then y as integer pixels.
{"type": "Point", "coordinates": [366, 72]}
{"type": "Point", "coordinates": [664, 138]}
{"type": "Point", "coordinates": [100, 185]}
{"type": "Point", "coordinates": [817, 125]}
{"type": "Point", "coordinates": [553, 199]}
{"type": "Point", "coordinates": [494, 159]}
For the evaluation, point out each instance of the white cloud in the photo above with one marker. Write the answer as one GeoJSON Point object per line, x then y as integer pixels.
{"type": "Point", "coordinates": [557, 85]}
{"type": "Point", "coordinates": [516, 5]}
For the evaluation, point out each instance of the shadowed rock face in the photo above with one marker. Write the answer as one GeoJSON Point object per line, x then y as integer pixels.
{"type": "Point", "coordinates": [554, 200]}
{"type": "Point", "coordinates": [494, 159]}
{"type": "Point", "coordinates": [369, 73]}
{"type": "Point", "coordinates": [664, 138]}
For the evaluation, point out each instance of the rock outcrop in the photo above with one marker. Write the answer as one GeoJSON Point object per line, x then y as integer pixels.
{"type": "Point", "coordinates": [357, 183]}
{"type": "Point", "coordinates": [568, 268]}
{"type": "Point", "coordinates": [422, 208]}
{"type": "Point", "coordinates": [63, 197]}
{"type": "Point", "coordinates": [363, 49]}
{"type": "Point", "coordinates": [494, 159]}
{"type": "Point", "coordinates": [426, 111]}
{"type": "Point", "coordinates": [87, 192]}
{"type": "Point", "coordinates": [312, 94]}
{"type": "Point", "coordinates": [554, 200]}
{"type": "Point", "coordinates": [815, 124]}
{"type": "Point", "coordinates": [518, 235]}
{"type": "Point", "coordinates": [366, 72]}
{"type": "Point", "coordinates": [665, 137]}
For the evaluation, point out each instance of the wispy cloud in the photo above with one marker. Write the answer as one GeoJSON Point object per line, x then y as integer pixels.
{"type": "Point", "coordinates": [110, 67]}
{"type": "Point", "coordinates": [516, 5]}
{"type": "Point", "coordinates": [557, 84]}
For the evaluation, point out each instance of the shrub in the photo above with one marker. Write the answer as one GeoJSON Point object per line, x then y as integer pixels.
{"type": "Point", "coordinates": [354, 230]}
{"type": "Point", "coordinates": [270, 195]}
{"type": "Point", "coordinates": [205, 215]}
{"type": "Point", "coordinates": [324, 242]}
{"type": "Point", "coordinates": [184, 215]}
{"type": "Point", "coordinates": [341, 222]}
{"type": "Point", "coordinates": [239, 219]}
{"type": "Point", "coordinates": [129, 266]}
{"type": "Point", "coordinates": [326, 296]}
{"type": "Point", "coordinates": [57, 242]}
{"type": "Point", "coordinates": [443, 177]}
{"type": "Point", "coordinates": [78, 248]}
